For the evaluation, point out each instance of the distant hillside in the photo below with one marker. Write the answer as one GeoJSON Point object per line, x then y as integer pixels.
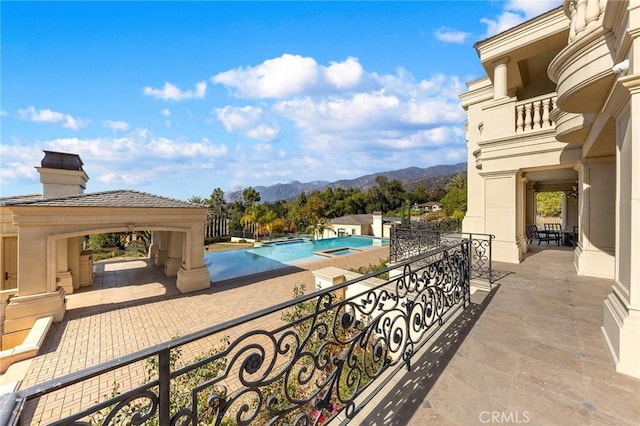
{"type": "Point", "coordinates": [431, 178]}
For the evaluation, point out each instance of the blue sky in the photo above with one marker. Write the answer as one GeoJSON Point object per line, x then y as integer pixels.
{"type": "Point", "coordinates": [178, 98]}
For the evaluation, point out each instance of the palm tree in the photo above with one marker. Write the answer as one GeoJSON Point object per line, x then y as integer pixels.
{"type": "Point", "coordinates": [319, 226]}
{"type": "Point", "coordinates": [253, 219]}
{"type": "Point", "coordinates": [458, 181]}
{"type": "Point", "coordinates": [197, 200]}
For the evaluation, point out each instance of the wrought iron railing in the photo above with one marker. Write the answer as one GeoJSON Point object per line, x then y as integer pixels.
{"type": "Point", "coordinates": [317, 357]}
{"type": "Point", "coordinates": [406, 242]}
{"type": "Point", "coordinates": [448, 224]}
{"type": "Point", "coordinates": [479, 253]}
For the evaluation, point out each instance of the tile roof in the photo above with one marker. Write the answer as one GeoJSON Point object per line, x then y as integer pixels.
{"type": "Point", "coordinates": [354, 219]}
{"type": "Point", "coordinates": [17, 199]}
{"type": "Point", "coordinates": [117, 198]}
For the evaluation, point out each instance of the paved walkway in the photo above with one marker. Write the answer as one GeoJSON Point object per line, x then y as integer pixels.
{"type": "Point", "coordinates": [531, 353]}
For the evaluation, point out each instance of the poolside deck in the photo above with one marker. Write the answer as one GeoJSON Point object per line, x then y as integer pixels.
{"type": "Point", "coordinates": [132, 306]}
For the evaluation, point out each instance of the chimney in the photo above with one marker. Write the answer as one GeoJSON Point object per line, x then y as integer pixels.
{"type": "Point", "coordinates": [61, 174]}
{"type": "Point", "coordinates": [378, 228]}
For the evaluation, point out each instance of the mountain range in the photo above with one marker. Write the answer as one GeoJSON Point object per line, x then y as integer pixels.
{"type": "Point", "coordinates": [412, 177]}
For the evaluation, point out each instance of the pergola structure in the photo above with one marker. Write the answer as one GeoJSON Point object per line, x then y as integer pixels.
{"type": "Point", "coordinates": [41, 239]}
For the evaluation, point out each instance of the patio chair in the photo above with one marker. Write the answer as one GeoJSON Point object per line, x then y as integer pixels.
{"type": "Point", "coordinates": [534, 233]}
{"type": "Point", "coordinates": [554, 230]}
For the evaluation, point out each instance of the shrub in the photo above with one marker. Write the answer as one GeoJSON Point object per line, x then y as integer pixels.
{"type": "Point", "coordinates": [372, 267]}
{"type": "Point", "coordinates": [181, 389]}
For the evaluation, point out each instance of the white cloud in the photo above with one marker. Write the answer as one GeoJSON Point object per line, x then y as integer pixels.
{"type": "Point", "coordinates": [116, 126]}
{"type": "Point", "coordinates": [53, 117]}
{"type": "Point", "coordinates": [403, 105]}
{"type": "Point", "coordinates": [3, 113]}
{"type": "Point", "coordinates": [18, 161]}
{"type": "Point", "coordinates": [280, 77]}
{"type": "Point", "coordinates": [166, 112]}
{"type": "Point", "coordinates": [247, 120]}
{"type": "Point", "coordinates": [344, 75]}
{"type": "Point", "coordinates": [364, 111]}
{"type": "Point", "coordinates": [172, 92]}
{"type": "Point", "coordinates": [517, 11]}
{"type": "Point", "coordinates": [290, 75]}
{"type": "Point", "coordinates": [433, 111]}
{"type": "Point", "coordinates": [449, 35]}
{"type": "Point", "coordinates": [532, 8]}
{"type": "Point", "coordinates": [264, 132]}
{"type": "Point", "coordinates": [139, 158]}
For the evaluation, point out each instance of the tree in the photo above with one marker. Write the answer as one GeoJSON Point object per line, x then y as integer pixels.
{"type": "Point", "coordinates": [216, 200]}
{"type": "Point", "coordinates": [195, 199]}
{"type": "Point", "coordinates": [318, 226]}
{"type": "Point", "coordinates": [253, 217]}
{"type": "Point", "coordinates": [454, 201]}
{"type": "Point", "coordinates": [549, 204]}
{"type": "Point", "coordinates": [250, 195]}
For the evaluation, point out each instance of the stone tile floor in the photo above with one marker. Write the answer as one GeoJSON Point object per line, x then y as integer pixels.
{"type": "Point", "coordinates": [530, 352]}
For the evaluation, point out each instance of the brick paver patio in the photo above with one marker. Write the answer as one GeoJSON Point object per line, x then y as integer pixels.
{"type": "Point", "coordinates": [132, 306]}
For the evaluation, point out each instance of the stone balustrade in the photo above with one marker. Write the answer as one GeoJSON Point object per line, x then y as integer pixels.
{"type": "Point", "coordinates": [582, 13]}
{"type": "Point", "coordinates": [534, 113]}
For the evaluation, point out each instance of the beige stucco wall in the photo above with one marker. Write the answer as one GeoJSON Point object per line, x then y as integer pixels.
{"type": "Point", "coordinates": [50, 242]}
{"type": "Point", "coordinates": [598, 136]}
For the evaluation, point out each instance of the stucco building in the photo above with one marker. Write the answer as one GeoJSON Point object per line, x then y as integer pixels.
{"type": "Point", "coordinates": [41, 241]}
{"type": "Point", "coordinates": [559, 110]}
{"type": "Point", "coordinates": [360, 224]}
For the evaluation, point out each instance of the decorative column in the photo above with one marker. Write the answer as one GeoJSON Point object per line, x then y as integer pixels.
{"type": "Point", "coordinates": [74, 248]}
{"type": "Point", "coordinates": [155, 244]}
{"type": "Point", "coordinates": [521, 202]}
{"type": "Point", "coordinates": [622, 307]}
{"type": "Point", "coordinates": [500, 78]}
{"type": "Point", "coordinates": [502, 208]}
{"type": "Point", "coordinates": [174, 254]}
{"type": "Point", "coordinates": [595, 255]}
{"type": "Point", "coordinates": [63, 273]}
{"type": "Point", "coordinates": [162, 249]}
{"type": "Point", "coordinates": [193, 275]}
{"type": "Point", "coordinates": [38, 293]}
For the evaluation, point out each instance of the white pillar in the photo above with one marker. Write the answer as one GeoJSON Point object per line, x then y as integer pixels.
{"type": "Point", "coordinates": [155, 244]}
{"type": "Point", "coordinates": [501, 189]}
{"type": "Point", "coordinates": [521, 230]}
{"type": "Point", "coordinates": [595, 255]}
{"type": "Point", "coordinates": [174, 254]}
{"type": "Point", "coordinates": [193, 275]}
{"type": "Point", "coordinates": [63, 273]}
{"type": "Point", "coordinates": [162, 252]}
{"type": "Point", "coordinates": [74, 247]}
{"type": "Point", "coordinates": [500, 78]}
{"type": "Point", "coordinates": [622, 307]}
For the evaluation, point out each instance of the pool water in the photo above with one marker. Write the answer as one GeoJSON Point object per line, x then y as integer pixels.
{"type": "Point", "coordinates": [276, 255]}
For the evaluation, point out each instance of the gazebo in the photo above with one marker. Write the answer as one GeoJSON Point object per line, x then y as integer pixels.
{"type": "Point", "coordinates": [41, 239]}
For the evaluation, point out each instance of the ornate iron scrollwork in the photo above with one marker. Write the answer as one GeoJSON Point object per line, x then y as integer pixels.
{"type": "Point", "coordinates": [325, 353]}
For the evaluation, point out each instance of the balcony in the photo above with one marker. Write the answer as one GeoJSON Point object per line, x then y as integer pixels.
{"type": "Point", "coordinates": [528, 351]}
{"type": "Point", "coordinates": [582, 70]}
{"type": "Point", "coordinates": [570, 127]}
{"type": "Point", "coordinates": [510, 120]}
{"type": "Point", "coordinates": [535, 113]}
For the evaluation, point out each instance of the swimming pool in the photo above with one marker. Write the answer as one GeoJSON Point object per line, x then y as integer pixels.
{"type": "Point", "coordinates": [281, 254]}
